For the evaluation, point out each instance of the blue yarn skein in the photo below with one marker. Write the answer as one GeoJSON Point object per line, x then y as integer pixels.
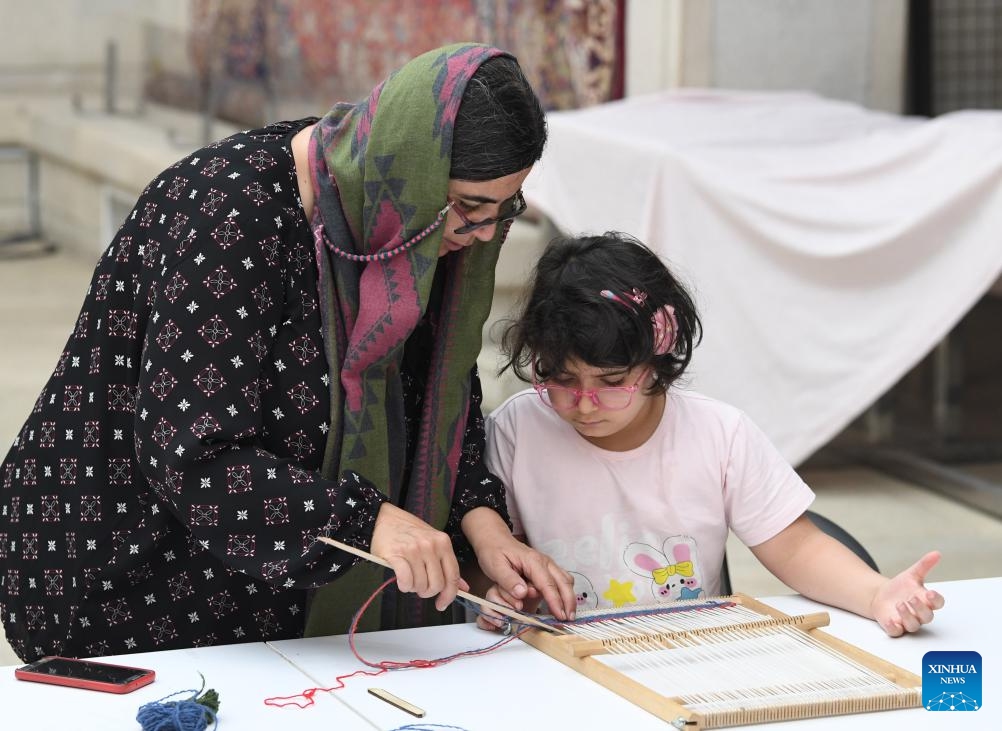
{"type": "Point", "coordinates": [184, 715]}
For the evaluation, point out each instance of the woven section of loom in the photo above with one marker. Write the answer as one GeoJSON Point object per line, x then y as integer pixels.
{"type": "Point", "coordinates": [728, 661]}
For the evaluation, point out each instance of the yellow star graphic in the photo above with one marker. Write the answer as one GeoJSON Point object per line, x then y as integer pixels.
{"type": "Point", "coordinates": [620, 593]}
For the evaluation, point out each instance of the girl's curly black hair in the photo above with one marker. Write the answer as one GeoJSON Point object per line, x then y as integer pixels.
{"type": "Point", "coordinates": [566, 318]}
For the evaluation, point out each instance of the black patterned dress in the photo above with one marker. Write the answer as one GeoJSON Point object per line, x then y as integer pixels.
{"type": "Point", "coordinates": [164, 491]}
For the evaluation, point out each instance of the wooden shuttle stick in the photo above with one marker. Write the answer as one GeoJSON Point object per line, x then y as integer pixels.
{"type": "Point", "coordinates": [480, 601]}
{"type": "Point", "coordinates": [397, 701]}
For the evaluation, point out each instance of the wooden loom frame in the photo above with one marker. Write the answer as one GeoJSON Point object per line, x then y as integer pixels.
{"type": "Point", "coordinates": [575, 652]}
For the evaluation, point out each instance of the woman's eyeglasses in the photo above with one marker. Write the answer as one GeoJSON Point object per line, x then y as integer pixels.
{"type": "Point", "coordinates": [610, 398]}
{"type": "Point", "coordinates": [510, 209]}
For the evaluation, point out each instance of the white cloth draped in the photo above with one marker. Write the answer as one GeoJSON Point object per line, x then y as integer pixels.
{"type": "Point", "coordinates": [829, 247]}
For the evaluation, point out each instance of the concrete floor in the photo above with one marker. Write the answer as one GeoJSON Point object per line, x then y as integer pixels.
{"type": "Point", "coordinates": [897, 522]}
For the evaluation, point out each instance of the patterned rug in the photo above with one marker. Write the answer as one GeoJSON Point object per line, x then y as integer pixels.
{"type": "Point", "coordinates": [251, 58]}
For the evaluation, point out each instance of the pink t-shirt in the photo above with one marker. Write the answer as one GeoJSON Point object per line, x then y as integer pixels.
{"type": "Point", "coordinates": [647, 525]}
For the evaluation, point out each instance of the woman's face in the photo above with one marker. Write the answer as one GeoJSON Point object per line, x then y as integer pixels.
{"type": "Point", "coordinates": [478, 200]}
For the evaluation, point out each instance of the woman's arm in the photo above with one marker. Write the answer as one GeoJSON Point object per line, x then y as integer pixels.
{"type": "Point", "coordinates": [240, 483]}
{"type": "Point", "coordinates": [821, 568]}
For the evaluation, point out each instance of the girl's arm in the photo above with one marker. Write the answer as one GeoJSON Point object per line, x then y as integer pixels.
{"type": "Point", "coordinates": [481, 585]}
{"type": "Point", "coordinates": [505, 560]}
{"type": "Point", "coordinates": [821, 568]}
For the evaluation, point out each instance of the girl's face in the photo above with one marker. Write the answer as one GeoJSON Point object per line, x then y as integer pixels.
{"type": "Point", "coordinates": [478, 201]}
{"type": "Point", "coordinates": [613, 429]}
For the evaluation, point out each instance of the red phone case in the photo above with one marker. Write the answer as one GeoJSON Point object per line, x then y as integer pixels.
{"type": "Point", "coordinates": [40, 676]}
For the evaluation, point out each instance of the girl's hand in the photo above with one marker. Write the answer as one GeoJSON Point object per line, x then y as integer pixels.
{"type": "Point", "coordinates": [421, 557]}
{"type": "Point", "coordinates": [903, 604]}
{"type": "Point", "coordinates": [490, 620]}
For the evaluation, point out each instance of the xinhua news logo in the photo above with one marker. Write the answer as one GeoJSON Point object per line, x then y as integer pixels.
{"type": "Point", "coordinates": [951, 681]}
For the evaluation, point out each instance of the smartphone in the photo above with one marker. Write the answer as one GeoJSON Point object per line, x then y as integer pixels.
{"type": "Point", "coordinates": [85, 674]}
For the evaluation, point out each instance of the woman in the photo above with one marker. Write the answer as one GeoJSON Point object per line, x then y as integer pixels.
{"type": "Point", "coordinates": [280, 343]}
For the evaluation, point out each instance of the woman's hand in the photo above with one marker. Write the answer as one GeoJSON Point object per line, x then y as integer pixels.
{"type": "Point", "coordinates": [421, 557]}
{"type": "Point", "coordinates": [903, 604]}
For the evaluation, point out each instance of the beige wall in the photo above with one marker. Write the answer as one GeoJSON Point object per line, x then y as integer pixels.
{"type": "Point", "coordinates": [847, 49]}
{"type": "Point", "coordinates": [53, 33]}
{"type": "Point", "coordinates": [61, 45]}
{"type": "Point", "coordinates": [850, 49]}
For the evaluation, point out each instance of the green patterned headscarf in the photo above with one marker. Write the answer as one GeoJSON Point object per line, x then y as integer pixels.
{"type": "Point", "coordinates": [381, 174]}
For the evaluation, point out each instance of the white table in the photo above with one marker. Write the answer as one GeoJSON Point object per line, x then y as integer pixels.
{"type": "Point", "coordinates": [513, 687]}
{"type": "Point", "coordinates": [242, 674]}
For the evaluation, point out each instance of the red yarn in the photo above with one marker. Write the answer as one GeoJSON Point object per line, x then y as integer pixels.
{"type": "Point", "coordinates": [383, 665]}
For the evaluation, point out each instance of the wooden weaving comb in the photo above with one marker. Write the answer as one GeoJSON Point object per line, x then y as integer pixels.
{"type": "Point", "coordinates": [480, 601]}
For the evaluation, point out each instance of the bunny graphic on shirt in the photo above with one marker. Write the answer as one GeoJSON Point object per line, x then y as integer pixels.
{"type": "Point", "coordinates": [671, 578]}
{"type": "Point", "coordinates": [584, 591]}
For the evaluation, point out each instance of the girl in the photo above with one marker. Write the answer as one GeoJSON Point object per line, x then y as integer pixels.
{"type": "Point", "coordinates": [632, 485]}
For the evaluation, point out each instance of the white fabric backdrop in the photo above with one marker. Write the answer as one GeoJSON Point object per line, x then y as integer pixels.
{"type": "Point", "coordinates": [829, 247]}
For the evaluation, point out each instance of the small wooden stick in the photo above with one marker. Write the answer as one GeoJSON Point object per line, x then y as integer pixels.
{"type": "Point", "coordinates": [499, 608]}
{"type": "Point", "coordinates": [397, 701]}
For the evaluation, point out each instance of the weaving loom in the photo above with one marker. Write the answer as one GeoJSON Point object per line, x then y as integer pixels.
{"type": "Point", "coordinates": [727, 661]}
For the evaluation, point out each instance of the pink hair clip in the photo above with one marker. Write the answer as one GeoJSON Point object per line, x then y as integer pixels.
{"type": "Point", "coordinates": [663, 319]}
{"type": "Point", "coordinates": [665, 329]}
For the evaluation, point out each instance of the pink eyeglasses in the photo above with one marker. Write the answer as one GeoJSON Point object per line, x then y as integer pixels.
{"type": "Point", "coordinates": [610, 398]}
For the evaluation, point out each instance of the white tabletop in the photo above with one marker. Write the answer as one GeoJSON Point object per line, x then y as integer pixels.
{"type": "Point", "coordinates": [242, 674]}
{"type": "Point", "coordinates": [515, 686]}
